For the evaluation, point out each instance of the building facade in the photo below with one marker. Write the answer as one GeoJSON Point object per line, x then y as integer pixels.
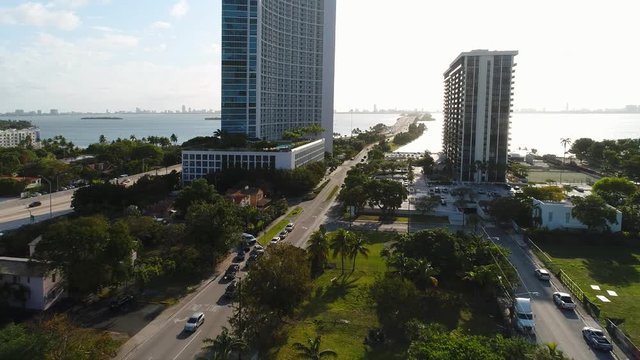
{"type": "Point", "coordinates": [277, 66]}
{"type": "Point", "coordinates": [478, 90]}
{"type": "Point", "coordinates": [557, 215]}
{"type": "Point", "coordinates": [13, 137]}
{"type": "Point", "coordinates": [29, 284]}
{"type": "Point", "coordinates": [199, 163]}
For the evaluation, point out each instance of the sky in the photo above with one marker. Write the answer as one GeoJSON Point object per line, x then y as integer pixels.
{"type": "Point", "coordinates": [94, 55]}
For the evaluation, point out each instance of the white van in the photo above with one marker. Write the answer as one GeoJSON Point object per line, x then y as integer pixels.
{"type": "Point", "coordinates": [523, 316]}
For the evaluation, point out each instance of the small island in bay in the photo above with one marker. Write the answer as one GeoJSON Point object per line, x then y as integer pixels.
{"type": "Point", "coordinates": [212, 118]}
{"type": "Point", "coordinates": [101, 118]}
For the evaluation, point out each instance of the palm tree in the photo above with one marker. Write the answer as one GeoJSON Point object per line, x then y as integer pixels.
{"type": "Point", "coordinates": [312, 351]}
{"type": "Point", "coordinates": [318, 249]}
{"type": "Point", "coordinates": [357, 248]}
{"type": "Point", "coordinates": [223, 345]}
{"type": "Point", "coordinates": [340, 244]}
{"type": "Point", "coordinates": [102, 139]}
{"type": "Point", "coordinates": [423, 273]}
{"type": "Point", "coordinates": [174, 138]}
{"type": "Point", "coordinates": [564, 142]}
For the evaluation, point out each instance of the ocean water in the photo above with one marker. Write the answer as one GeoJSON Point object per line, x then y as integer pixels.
{"type": "Point", "coordinates": [184, 126]}
{"type": "Point", "coordinates": [540, 131]}
{"type": "Point", "coordinates": [544, 131]}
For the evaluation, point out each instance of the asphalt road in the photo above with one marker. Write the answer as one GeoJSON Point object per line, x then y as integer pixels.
{"type": "Point", "coordinates": [164, 337]}
{"type": "Point", "coordinates": [15, 212]}
{"type": "Point", "coordinates": [552, 324]}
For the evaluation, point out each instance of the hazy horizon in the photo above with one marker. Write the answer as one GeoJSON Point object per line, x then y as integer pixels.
{"type": "Point", "coordinates": [94, 55]}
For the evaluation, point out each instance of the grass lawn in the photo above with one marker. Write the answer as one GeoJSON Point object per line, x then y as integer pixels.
{"type": "Point", "coordinates": [332, 193]}
{"type": "Point", "coordinates": [611, 265]}
{"type": "Point", "coordinates": [400, 219]}
{"type": "Point", "coordinates": [342, 312]}
{"type": "Point", "coordinates": [541, 176]}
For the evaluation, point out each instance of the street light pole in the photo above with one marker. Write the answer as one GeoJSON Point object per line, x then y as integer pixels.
{"type": "Point", "coordinates": [50, 204]}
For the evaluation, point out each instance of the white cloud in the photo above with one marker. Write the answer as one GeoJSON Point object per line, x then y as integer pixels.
{"type": "Point", "coordinates": [36, 14]}
{"type": "Point", "coordinates": [180, 9]}
{"type": "Point", "coordinates": [69, 3]}
{"type": "Point", "coordinates": [113, 41]}
{"type": "Point", "coordinates": [161, 25]}
{"type": "Point", "coordinates": [159, 48]}
{"type": "Point", "coordinates": [104, 29]}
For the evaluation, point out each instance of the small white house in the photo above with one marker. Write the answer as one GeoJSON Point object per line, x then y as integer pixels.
{"type": "Point", "coordinates": [27, 283]}
{"type": "Point", "coordinates": [557, 215]}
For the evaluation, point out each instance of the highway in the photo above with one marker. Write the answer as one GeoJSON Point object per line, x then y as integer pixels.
{"type": "Point", "coordinates": [552, 324]}
{"type": "Point", "coordinates": [163, 337]}
{"type": "Point", "coordinates": [15, 212]}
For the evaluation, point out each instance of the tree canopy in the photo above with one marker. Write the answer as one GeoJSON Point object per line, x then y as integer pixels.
{"type": "Point", "coordinates": [594, 212]}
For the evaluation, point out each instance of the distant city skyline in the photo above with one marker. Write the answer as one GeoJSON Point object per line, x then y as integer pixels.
{"type": "Point", "coordinates": [92, 55]}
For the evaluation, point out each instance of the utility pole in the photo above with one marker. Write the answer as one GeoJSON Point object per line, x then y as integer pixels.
{"type": "Point", "coordinates": [50, 204]}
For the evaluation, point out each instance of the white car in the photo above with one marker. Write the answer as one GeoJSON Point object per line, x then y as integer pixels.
{"type": "Point", "coordinates": [563, 300]}
{"type": "Point", "coordinates": [275, 240]}
{"type": "Point", "coordinates": [289, 227]}
{"type": "Point", "coordinates": [194, 322]}
{"type": "Point", "coordinates": [543, 274]}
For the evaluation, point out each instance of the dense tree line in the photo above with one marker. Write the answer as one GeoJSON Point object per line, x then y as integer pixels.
{"type": "Point", "coordinates": [276, 182]}
{"type": "Point", "coordinates": [15, 124]}
{"type": "Point", "coordinates": [361, 190]}
{"type": "Point", "coordinates": [55, 338]}
{"type": "Point", "coordinates": [112, 199]}
{"type": "Point", "coordinates": [116, 157]}
{"type": "Point", "coordinates": [415, 131]}
{"type": "Point", "coordinates": [613, 157]}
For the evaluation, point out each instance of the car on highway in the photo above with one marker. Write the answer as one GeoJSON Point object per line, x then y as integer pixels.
{"type": "Point", "coordinates": [289, 227]}
{"type": "Point", "coordinates": [543, 274]}
{"type": "Point", "coordinates": [523, 316]}
{"type": "Point", "coordinates": [596, 339]}
{"type": "Point", "coordinates": [563, 300]}
{"type": "Point", "coordinates": [34, 204]}
{"type": "Point", "coordinates": [283, 234]}
{"type": "Point", "coordinates": [231, 272]}
{"type": "Point", "coordinates": [194, 322]}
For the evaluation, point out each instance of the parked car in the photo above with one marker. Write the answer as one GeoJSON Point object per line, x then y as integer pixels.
{"type": "Point", "coordinates": [194, 322]}
{"type": "Point", "coordinates": [596, 339]}
{"type": "Point", "coordinates": [289, 227]}
{"type": "Point", "coordinates": [121, 301]}
{"type": "Point", "coordinates": [563, 300]}
{"type": "Point", "coordinates": [231, 272]}
{"type": "Point", "coordinates": [543, 274]}
{"type": "Point", "coordinates": [283, 234]}
{"type": "Point", "coordinates": [230, 291]}
{"type": "Point", "coordinates": [239, 257]}
{"type": "Point", "coordinates": [275, 240]}
{"type": "Point", "coordinates": [249, 239]}
{"type": "Point", "coordinates": [34, 204]}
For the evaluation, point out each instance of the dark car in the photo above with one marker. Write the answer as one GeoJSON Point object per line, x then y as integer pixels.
{"type": "Point", "coordinates": [239, 257]}
{"type": "Point", "coordinates": [596, 339]}
{"type": "Point", "coordinates": [231, 272]}
{"type": "Point", "coordinates": [121, 301]}
{"type": "Point", "coordinates": [230, 291]}
{"type": "Point", "coordinates": [34, 204]}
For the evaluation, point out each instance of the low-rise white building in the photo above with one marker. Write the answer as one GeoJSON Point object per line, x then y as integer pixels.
{"type": "Point", "coordinates": [28, 284]}
{"type": "Point", "coordinates": [199, 163]}
{"type": "Point", "coordinates": [557, 215]}
{"type": "Point", "coordinates": [13, 137]}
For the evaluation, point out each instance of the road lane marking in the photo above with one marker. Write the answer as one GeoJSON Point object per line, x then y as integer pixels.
{"type": "Point", "coordinates": [189, 343]}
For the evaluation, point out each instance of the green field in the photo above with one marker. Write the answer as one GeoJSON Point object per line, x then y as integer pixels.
{"type": "Point", "coordinates": [342, 311]}
{"type": "Point", "coordinates": [612, 265]}
{"type": "Point", "coordinates": [541, 176]}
